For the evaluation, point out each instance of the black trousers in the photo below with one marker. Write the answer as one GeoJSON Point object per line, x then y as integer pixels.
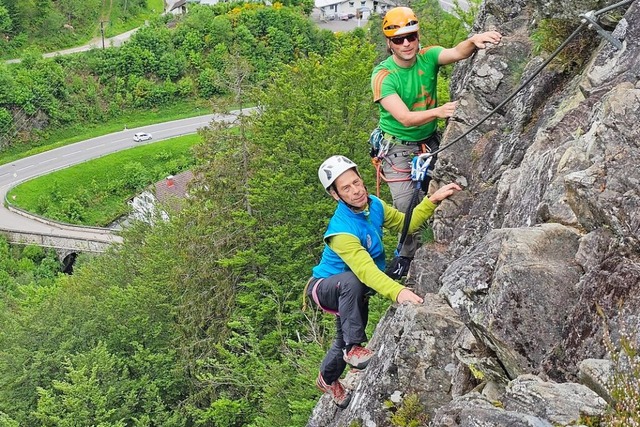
{"type": "Point", "coordinates": [347, 295]}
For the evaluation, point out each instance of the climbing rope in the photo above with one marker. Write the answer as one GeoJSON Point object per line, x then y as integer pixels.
{"type": "Point", "coordinates": [586, 22]}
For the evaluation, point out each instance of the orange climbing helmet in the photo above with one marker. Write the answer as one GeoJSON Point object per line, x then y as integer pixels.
{"type": "Point", "coordinates": [399, 21]}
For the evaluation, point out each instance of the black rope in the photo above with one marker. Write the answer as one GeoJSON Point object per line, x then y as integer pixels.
{"type": "Point", "coordinates": [514, 93]}
{"type": "Point", "coordinates": [535, 73]}
{"type": "Point", "coordinates": [407, 216]}
{"type": "Point", "coordinates": [613, 6]}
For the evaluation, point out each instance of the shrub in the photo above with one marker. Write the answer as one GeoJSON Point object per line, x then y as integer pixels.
{"type": "Point", "coordinates": [551, 33]}
{"type": "Point", "coordinates": [410, 413]}
{"type": "Point", "coordinates": [135, 176]}
{"type": "Point", "coordinates": [625, 384]}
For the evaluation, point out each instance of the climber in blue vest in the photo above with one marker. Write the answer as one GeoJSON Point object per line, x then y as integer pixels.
{"type": "Point", "coordinates": [352, 266]}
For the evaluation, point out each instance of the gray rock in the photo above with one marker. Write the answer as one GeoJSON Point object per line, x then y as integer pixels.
{"type": "Point", "coordinates": [506, 290]}
{"type": "Point", "coordinates": [475, 410]}
{"type": "Point", "coordinates": [561, 404]}
{"type": "Point", "coordinates": [539, 255]}
{"type": "Point", "coordinates": [597, 374]}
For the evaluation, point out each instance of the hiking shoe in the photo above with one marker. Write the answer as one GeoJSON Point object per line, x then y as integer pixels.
{"type": "Point", "coordinates": [341, 397]}
{"type": "Point", "coordinates": [358, 357]}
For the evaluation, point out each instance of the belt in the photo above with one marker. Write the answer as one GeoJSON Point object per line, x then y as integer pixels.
{"type": "Point", "coordinates": [390, 137]}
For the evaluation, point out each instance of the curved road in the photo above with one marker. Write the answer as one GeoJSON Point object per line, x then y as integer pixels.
{"type": "Point", "coordinates": [13, 173]}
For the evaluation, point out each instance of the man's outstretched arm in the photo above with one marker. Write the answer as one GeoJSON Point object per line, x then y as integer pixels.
{"type": "Point", "coordinates": [465, 48]}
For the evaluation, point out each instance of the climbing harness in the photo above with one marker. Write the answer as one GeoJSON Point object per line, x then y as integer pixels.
{"type": "Point", "coordinates": [314, 296]}
{"type": "Point", "coordinates": [380, 148]}
{"type": "Point", "coordinates": [588, 20]}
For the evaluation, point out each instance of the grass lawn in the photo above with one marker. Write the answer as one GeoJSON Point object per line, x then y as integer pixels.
{"type": "Point", "coordinates": [96, 192]}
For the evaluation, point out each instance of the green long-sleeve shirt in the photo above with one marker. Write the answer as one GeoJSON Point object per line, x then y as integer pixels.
{"type": "Point", "coordinates": [348, 247]}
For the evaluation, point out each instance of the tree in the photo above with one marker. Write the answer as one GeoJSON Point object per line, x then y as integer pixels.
{"type": "Point", "coordinates": [111, 326]}
{"type": "Point", "coordinates": [267, 251]}
{"type": "Point", "coordinates": [6, 24]}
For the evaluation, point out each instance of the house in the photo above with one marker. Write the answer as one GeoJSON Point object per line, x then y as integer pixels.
{"type": "Point", "coordinates": [335, 9]}
{"type": "Point", "coordinates": [169, 193]}
{"type": "Point", "coordinates": [180, 6]}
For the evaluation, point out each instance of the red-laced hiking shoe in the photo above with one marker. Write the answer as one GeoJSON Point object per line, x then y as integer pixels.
{"type": "Point", "coordinates": [341, 397]}
{"type": "Point", "coordinates": [358, 357]}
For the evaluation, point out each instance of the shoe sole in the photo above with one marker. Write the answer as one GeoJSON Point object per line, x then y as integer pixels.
{"type": "Point", "coordinates": [342, 405]}
{"type": "Point", "coordinates": [362, 365]}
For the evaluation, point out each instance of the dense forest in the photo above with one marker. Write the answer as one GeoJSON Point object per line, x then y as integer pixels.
{"type": "Point", "coordinates": [195, 321]}
{"type": "Point", "coordinates": [201, 58]}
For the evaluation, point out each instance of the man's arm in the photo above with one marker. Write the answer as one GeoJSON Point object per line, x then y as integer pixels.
{"type": "Point", "coordinates": [394, 105]}
{"type": "Point", "coordinates": [360, 262]}
{"type": "Point", "coordinates": [348, 247]}
{"type": "Point", "coordinates": [465, 48]}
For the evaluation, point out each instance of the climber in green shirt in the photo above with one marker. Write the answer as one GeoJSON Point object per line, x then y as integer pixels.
{"type": "Point", "coordinates": [405, 88]}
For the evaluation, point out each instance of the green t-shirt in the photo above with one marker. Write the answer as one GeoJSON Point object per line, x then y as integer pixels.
{"type": "Point", "coordinates": [416, 86]}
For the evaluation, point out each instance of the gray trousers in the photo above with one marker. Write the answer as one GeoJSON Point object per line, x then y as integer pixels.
{"type": "Point", "coordinates": [347, 295]}
{"type": "Point", "coordinates": [396, 167]}
{"type": "Point", "coordinates": [397, 172]}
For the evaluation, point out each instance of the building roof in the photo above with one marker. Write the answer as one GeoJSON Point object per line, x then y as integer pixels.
{"type": "Point", "coordinates": [178, 4]}
{"type": "Point", "coordinates": [324, 3]}
{"type": "Point", "coordinates": [173, 187]}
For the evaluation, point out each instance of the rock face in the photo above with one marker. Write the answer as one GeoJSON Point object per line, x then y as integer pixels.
{"type": "Point", "coordinates": [536, 267]}
{"type": "Point", "coordinates": [413, 357]}
{"type": "Point", "coordinates": [507, 289]}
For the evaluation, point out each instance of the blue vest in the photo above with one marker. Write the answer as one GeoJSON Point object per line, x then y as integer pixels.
{"type": "Point", "coordinates": [366, 226]}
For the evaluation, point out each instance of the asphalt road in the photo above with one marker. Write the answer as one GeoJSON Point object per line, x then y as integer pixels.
{"type": "Point", "coordinates": [21, 170]}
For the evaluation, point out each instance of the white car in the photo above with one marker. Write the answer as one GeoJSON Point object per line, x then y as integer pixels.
{"type": "Point", "coordinates": [141, 136]}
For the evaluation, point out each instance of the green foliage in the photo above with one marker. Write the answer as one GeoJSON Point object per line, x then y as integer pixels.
{"type": "Point", "coordinates": [34, 253]}
{"type": "Point", "coordinates": [157, 66]}
{"type": "Point", "coordinates": [111, 327]}
{"type": "Point", "coordinates": [6, 421]}
{"type": "Point", "coordinates": [135, 176]}
{"type": "Point", "coordinates": [551, 33]}
{"type": "Point", "coordinates": [410, 413]}
{"type": "Point", "coordinates": [467, 15]}
{"type": "Point", "coordinates": [256, 182]}
{"type": "Point", "coordinates": [625, 384]}
{"type": "Point", "coordinates": [98, 389]}
{"type": "Point", "coordinates": [51, 25]}
{"type": "Point", "coordinates": [224, 413]}
{"type": "Point", "coordinates": [438, 27]}
{"type": "Point", "coordinates": [6, 24]}
{"type": "Point", "coordinates": [25, 267]}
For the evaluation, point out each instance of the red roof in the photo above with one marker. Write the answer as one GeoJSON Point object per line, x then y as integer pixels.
{"type": "Point", "coordinates": [173, 187]}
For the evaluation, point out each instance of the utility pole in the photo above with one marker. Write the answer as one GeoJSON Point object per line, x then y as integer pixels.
{"type": "Point", "coordinates": [102, 31]}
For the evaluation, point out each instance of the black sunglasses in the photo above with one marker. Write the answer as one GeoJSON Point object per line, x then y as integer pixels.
{"type": "Point", "coordinates": [400, 39]}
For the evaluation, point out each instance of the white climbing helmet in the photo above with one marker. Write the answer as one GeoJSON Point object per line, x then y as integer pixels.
{"type": "Point", "coordinates": [332, 168]}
